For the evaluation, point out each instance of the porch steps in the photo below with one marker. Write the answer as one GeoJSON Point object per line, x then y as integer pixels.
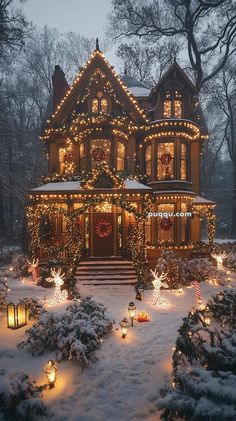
{"type": "Point", "coordinates": [106, 271]}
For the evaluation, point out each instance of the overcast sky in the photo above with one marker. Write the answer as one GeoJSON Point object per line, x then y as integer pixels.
{"type": "Point", "coordinates": [86, 17]}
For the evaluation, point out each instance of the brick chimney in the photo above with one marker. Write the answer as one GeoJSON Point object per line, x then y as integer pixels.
{"type": "Point", "coordinates": [60, 86]}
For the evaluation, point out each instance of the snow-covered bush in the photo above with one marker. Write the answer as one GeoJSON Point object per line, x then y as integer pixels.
{"type": "Point", "coordinates": [19, 399]}
{"type": "Point", "coordinates": [20, 265]}
{"type": "Point", "coordinates": [4, 288]}
{"type": "Point", "coordinates": [74, 335]}
{"type": "Point", "coordinates": [175, 267]}
{"type": "Point", "coordinates": [204, 367]}
{"type": "Point", "coordinates": [34, 308]}
{"type": "Point", "coordinates": [182, 271]}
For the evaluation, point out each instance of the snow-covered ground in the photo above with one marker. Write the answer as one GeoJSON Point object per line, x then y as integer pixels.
{"type": "Point", "coordinates": [124, 383]}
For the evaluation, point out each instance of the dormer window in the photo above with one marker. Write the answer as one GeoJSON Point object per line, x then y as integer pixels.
{"type": "Point", "coordinates": [173, 104]}
{"type": "Point", "coordinates": [99, 103]}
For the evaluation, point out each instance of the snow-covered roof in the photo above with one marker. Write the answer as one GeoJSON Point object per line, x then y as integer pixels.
{"type": "Point", "coordinates": [198, 200]}
{"type": "Point", "coordinates": [138, 89]}
{"type": "Point", "coordinates": [61, 186]}
{"type": "Point", "coordinates": [76, 185]}
{"type": "Point", "coordinates": [139, 92]}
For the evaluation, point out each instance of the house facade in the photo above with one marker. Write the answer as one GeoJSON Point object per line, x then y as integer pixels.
{"type": "Point", "coordinates": [120, 155]}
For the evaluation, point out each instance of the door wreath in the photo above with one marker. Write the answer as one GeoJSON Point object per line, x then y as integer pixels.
{"type": "Point", "coordinates": [166, 224]}
{"type": "Point", "coordinates": [166, 158]}
{"type": "Point", "coordinates": [103, 228]}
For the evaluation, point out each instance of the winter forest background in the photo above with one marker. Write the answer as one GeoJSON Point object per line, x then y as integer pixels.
{"type": "Point", "coordinates": [149, 36]}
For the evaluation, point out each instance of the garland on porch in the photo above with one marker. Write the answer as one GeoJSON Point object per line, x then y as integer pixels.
{"type": "Point", "coordinates": [73, 247]}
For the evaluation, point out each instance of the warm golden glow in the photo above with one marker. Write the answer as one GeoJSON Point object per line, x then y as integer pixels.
{"type": "Point", "coordinates": [148, 160]}
{"type": "Point", "coordinates": [167, 108]}
{"type": "Point", "coordinates": [165, 161]}
{"type": "Point", "coordinates": [177, 109]}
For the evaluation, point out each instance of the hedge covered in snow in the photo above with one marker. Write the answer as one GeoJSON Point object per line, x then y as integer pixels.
{"type": "Point", "coordinates": [182, 271]}
{"type": "Point", "coordinates": [19, 399]}
{"type": "Point", "coordinates": [204, 365]}
{"type": "Point", "coordinates": [74, 335]}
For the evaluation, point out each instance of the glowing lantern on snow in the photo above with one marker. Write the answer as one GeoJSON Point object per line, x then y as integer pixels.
{"type": "Point", "coordinates": [207, 316]}
{"type": "Point", "coordinates": [16, 315]}
{"type": "Point", "coordinates": [124, 327]}
{"type": "Point", "coordinates": [132, 311]}
{"type": "Point", "coordinates": [50, 369]}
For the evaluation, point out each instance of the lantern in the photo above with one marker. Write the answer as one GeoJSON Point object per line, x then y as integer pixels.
{"type": "Point", "coordinates": [16, 315]}
{"type": "Point", "coordinates": [50, 369]}
{"type": "Point", "coordinates": [207, 316]}
{"type": "Point", "coordinates": [124, 327]}
{"type": "Point", "coordinates": [132, 310]}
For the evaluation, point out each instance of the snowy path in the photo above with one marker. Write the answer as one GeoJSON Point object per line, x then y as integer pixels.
{"type": "Point", "coordinates": [123, 385]}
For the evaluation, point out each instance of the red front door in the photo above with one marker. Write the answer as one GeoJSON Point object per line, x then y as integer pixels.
{"type": "Point", "coordinates": [103, 234]}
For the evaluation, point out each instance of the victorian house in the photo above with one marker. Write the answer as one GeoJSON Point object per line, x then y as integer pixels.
{"type": "Point", "coordinates": [119, 154]}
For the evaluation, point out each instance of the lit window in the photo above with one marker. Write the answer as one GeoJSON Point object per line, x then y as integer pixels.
{"type": "Point", "coordinates": [183, 167]}
{"type": "Point", "coordinates": [166, 224]}
{"type": "Point", "coordinates": [100, 151]}
{"type": "Point", "coordinates": [167, 108]}
{"type": "Point", "coordinates": [82, 156]}
{"type": "Point", "coordinates": [95, 105]}
{"type": "Point", "coordinates": [165, 161]}
{"type": "Point", "coordinates": [61, 159]}
{"type": "Point", "coordinates": [173, 106]}
{"type": "Point", "coordinates": [184, 223]}
{"type": "Point", "coordinates": [148, 160]}
{"type": "Point", "coordinates": [120, 156]}
{"type": "Point", "coordinates": [99, 103]}
{"type": "Point", "coordinates": [177, 108]}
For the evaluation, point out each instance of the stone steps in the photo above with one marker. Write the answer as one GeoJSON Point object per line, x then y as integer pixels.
{"type": "Point", "coordinates": [105, 271]}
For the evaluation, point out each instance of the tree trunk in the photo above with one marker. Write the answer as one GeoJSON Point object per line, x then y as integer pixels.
{"type": "Point", "coordinates": [233, 225]}
{"type": "Point", "coordinates": [2, 216]}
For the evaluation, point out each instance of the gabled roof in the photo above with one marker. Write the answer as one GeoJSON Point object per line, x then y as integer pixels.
{"type": "Point", "coordinates": [175, 67]}
{"type": "Point", "coordinates": [97, 60]}
{"type": "Point", "coordinates": [138, 89]}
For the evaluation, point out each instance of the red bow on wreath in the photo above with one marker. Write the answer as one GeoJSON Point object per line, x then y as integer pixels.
{"type": "Point", "coordinates": [166, 224]}
{"type": "Point", "coordinates": [103, 228]}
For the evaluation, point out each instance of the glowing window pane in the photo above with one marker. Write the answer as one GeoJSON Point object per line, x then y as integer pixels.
{"type": "Point", "coordinates": [178, 109]}
{"type": "Point", "coordinates": [61, 159]}
{"type": "Point", "coordinates": [120, 149]}
{"type": "Point", "coordinates": [94, 105]}
{"type": "Point", "coordinates": [165, 232]}
{"type": "Point", "coordinates": [183, 167]}
{"type": "Point", "coordinates": [102, 148]}
{"type": "Point", "coordinates": [167, 108]}
{"type": "Point", "coordinates": [165, 161]}
{"type": "Point", "coordinates": [148, 157]}
{"type": "Point", "coordinates": [103, 105]}
{"type": "Point", "coordinates": [81, 150]}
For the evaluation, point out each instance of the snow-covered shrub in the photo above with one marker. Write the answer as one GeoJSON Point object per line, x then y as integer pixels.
{"type": "Point", "coordinates": [20, 265]}
{"type": "Point", "coordinates": [204, 367]}
{"type": "Point", "coordinates": [19, 399]}
{"type": "Point", "coordinates": [204, 270]}
{"type": "Point", "coordinates": [34, 307]}
{"type": "Point", "coordinates": [4, 288]}
{"type": "Point", "coordinates": [175, 267]}
{"type": "Point", "coordinates": [182, 271]}
{"type": "Point", "coordinates": [74, 335]}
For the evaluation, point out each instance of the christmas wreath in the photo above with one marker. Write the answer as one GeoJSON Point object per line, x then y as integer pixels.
{"type": "Point", "coordinates": [166, 158]}
{"type": "Point", "coordinates": [166, 224]}
{"type": "Point", "coordinates": [98, 154]}
{"type": "Point", "coordinates": [68, 157]}
{"type": "Point", "coordinates": [103, 228]}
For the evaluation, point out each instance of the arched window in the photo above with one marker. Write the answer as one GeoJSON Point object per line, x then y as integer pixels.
{"type": "Point", "coordinates": [165, 161]}
{"type": "Point", "coordinates": [99, 103]}
{"type": "Point", "coordinates": [120, 156]}
{"type": "Point", "coordinates": [148, 160]}
{"type": "Point", "coordinates": [82, 156]}
{"type": "Point", "coordinates": [173, 104]}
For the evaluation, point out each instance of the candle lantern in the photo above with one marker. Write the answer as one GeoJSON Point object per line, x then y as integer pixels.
{"type": "Point", "coordinates": [207, 316]}
{"type": "Point", "coordinates": [124, 327]}
{"type": "Point", "coordinates": [132, 311]}
{"type": "Point", "coordinates": [16, 315]}
{"type": "Point", "coordinates": [50, 369]}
